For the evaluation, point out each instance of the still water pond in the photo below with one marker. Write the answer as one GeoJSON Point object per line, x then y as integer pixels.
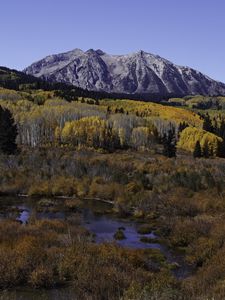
{"type": "Point", "coordinates": [93, 218]}
{"type": "Point", "coordinates": [96, 218]}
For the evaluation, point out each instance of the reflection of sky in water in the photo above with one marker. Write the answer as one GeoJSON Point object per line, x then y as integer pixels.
{"type": "Point", "coordinates": [24, 216]}
{"type": "Point", "coordinates": [105, 227]}
{"type": "Point", "coordinates": [26, 212]}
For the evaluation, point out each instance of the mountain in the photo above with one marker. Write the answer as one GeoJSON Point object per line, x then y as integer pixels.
{"type": "Point", "coordinates": [137, 73]}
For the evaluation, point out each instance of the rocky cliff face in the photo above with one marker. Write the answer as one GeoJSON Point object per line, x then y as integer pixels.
{"type": "Point", "coordinates": [136, 73]}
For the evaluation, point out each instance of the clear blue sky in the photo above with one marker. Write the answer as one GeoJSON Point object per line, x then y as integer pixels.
{"type": "Point", "coordinates": [187, 32]}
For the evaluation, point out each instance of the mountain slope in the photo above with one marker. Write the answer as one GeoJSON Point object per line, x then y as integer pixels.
{"type": "Point", "coordinates": [137, 73]}
{"type": "Point", "coordinates": [16, 80]}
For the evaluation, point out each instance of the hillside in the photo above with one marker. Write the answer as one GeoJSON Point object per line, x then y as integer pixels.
{"type": "Point", "coordinates": [16, 80]}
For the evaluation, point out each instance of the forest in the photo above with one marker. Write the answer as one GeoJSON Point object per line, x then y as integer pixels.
{"type": "Point", "coordinates": [159, 165]}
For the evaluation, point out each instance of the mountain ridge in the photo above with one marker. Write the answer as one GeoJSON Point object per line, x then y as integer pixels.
{"type": "Point", "coordinates": [134, 73]}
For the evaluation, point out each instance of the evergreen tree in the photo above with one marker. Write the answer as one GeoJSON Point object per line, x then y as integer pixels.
{"type": "Point", "coordinates": [169, 143]}
{"type": "Point", "coordinates": [108, 110]}
{"type": "Point", "coordinates": [8, 132]}
{"type": "Point", "coordinates": [205, 150]}
{"type": "Point", "coordinates": [197, 151]}
{"type": "Point", "coordinates": [207, 123]}
{"type": "Point", "coordinates": [216, 128]}
{"type": "Point", "coordinates": [221, 130]}
{"type": "Point", "coordinates": [211, 152]}
{"type": "Point", "coordinates": [221, 149]}
{"type": "Point", "coordinates": [182, 126]}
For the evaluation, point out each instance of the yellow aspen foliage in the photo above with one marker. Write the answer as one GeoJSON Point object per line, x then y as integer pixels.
{"type": "Point", "coordinates": [190, 135]}
{"type": "Point", "coordinates": [89, 131]}
{"type": "Point", "coordinates": [154, 110]}
{"type": "Point", "coordinates": [141, 137]}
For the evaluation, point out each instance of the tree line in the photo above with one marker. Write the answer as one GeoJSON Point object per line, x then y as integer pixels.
{"type": "Point", "coordinates": [110, 127]}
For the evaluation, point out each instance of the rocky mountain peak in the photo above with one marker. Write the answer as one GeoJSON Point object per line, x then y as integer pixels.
{"type": "Point", "coordinates": [136, 73]}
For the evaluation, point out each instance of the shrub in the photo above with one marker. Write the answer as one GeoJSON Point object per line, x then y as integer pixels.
{"type": "Point", "coordinates": [41, 277]}
{"type": "Point", "coordinates": [119, 235]}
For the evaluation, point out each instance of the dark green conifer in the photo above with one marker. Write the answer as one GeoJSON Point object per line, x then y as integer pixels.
{"type": "Point", "coordinates": [8, 132]}
{"type": "Point", "coordinates": [197, 151]}
{"type": "Point", "coordinates": [169, 143]}
{"type": "Point", "coordinates": [207, 123]}
{"type": "Point", "coordinates": [205, 150]}
{"type": "Point", "coordinates": [221, 149]}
